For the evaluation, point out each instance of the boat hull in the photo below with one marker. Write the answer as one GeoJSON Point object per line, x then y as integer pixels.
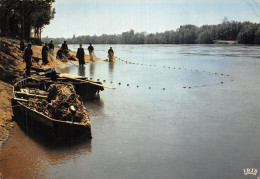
{"type": "Point", "coordinates": [47, 126]}
{"type": "Point", "coordinates": [34, 119]}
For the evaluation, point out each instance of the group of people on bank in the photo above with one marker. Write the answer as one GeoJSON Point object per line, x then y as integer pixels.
{"type": "Point", "coordinates": [81, 54]}
{"type": "Point", "coordinates": [49, 49]}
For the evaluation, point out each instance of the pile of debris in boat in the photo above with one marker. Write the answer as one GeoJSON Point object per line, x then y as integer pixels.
{"type": "Point", "coordinates": [57, 107]}
{"type": "Point", "coordinates": [60, 101]}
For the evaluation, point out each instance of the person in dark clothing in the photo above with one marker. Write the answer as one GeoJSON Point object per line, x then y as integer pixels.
{"type": "Point", "coordinates": [81, 55]}
{"type": "Point", "coordinates": [64, 48]}
{"type": "Point", "coordinates": [27, 58]}
{"type": "Point", "coordinates": [110, 50]}
{"type": "Point", "coordinates": [111, 57]}
{"type": "Point", "coordinates": [22, 46]}
{"type": "Point", "coordinates": [59, 54]}
{"type": "Point", "coordinates": [51, 48]}
{"type": "Point", "coordinates": [45, 51]}
{"type": "Point", "coordinates": [91, 51]}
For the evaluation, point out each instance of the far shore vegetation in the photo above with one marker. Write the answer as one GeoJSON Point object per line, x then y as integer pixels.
{"type": "Point", "coordinates": [232, 31]}
{"type": "Point", "coordinates": [24, 19]}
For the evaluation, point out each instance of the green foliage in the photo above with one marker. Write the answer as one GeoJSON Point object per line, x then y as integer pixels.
{"type": "Point", "coordinates": [206, 34]}
{"type": "Point", "coordinates": [257, 36]}
{"type": "Point", "coordinates": [18, 16]}
{"type": "Point", "coordinates": [246, 33]}
{"type": "Point", "coordinates": [187, 34]}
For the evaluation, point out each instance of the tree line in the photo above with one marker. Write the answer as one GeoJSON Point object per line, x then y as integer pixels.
{"type": "Point", "coordinates": [18, 17]}
{"type": "Point", "coordinates": [241, 32]}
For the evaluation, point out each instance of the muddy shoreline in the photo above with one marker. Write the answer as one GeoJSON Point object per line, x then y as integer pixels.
{"type": "Point", "coordinates": [6, 123]}
{"type": "Point", "coordinates": [12, 67]}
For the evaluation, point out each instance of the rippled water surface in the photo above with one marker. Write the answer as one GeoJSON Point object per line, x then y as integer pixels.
{"type": "Point", "coordinates": [178, 111]}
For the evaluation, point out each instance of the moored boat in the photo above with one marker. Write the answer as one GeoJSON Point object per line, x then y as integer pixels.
{"type": "Point", "coordinates": [57, 113]}
{"type": "Point", "coordinates": [87, 89]}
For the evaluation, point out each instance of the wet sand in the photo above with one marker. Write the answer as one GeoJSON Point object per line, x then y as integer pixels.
{"type": "Point", "coordinates": [6, 92]}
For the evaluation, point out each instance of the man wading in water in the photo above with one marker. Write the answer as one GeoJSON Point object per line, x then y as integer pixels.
{"type": "Point", "coordinates": [81, 55]}
{"type": "Point", "coordinates": [91, 51]}
{"type": "Point", "coordinates": [111, 57]}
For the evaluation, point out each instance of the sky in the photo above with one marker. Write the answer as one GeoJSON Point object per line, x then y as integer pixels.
{"type": "Point", "coordinates": [97, 17]}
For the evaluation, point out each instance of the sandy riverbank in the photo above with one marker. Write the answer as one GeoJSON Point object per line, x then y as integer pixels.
{"type": "Point", "coordinates": [12, 67]}
{"type": "Point", "coordinates": [6, 92]}
{"type": "Point", "coordinates": [53, 62]}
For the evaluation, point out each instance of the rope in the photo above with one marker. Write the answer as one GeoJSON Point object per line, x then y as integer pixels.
{"type": "Point", "coordinates": [129, 85]}
{"type": "Point", "coordinates": [175, 68]}
{"type": "Point", "coordinates": [163, 88]}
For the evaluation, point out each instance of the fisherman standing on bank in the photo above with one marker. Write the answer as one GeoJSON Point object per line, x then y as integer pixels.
{"type": "Point", "coordinates": [111, 57]}
{"type": "Point", "coordinates": [64, 48]}
{"type": "Point", "coordinates": [27, 58]}
{"type": "Point", "coordinates": [45, 51]}
{"type": "Point", "coordinates": [91, 51]}
{"type": "Point", "coordinates": [51, 48]}
{"type": "Point", "coordinates": [22, 45]}
{"type": "Point", "coordinates": [81, 55]}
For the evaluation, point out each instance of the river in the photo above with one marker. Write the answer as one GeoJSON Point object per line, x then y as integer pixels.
{"type": "Point", "coordinates": [178, 111]}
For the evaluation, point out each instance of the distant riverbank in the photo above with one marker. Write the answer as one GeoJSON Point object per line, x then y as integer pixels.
{"type": "Point", "coordinates": [242, 32]}
{"type": "Point", "coordinates": [231, 42]}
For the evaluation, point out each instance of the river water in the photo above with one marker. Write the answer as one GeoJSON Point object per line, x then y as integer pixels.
{"type": "Point", "coordinates": [178, 111]}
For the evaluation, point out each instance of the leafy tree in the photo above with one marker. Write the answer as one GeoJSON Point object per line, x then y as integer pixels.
{"type": "Point", "coordinates": [206, 37]}
{"type": "Point", "coordinates": [257, 35]}
{"type": "Point", "coordinates": [206, 34]}
{"type": "Point", "coordinates": [245, 32]}
{"type": "Point", "coordinates": [25, 14]}
{"type": "Point", "coordinates": [187, 34]}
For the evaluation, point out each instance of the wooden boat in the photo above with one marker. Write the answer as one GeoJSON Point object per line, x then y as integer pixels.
{"type": "Point", "coordinates": [36, 118]}
{"type": "Point", "coordinates": [87, 89]}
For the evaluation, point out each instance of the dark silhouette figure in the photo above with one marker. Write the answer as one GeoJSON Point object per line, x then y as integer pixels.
{"type": "Point", "coordinates": [111, 57]}
{"type": "Point", "coordinates": [27, 58]}
{"type": "Point", "coordinates": [22, 46]}
{"type": "Point", "coordinates": [91, 51]}
{"type": "Point", "coordinates": [81, 55]}
{"type": "Point", "coordinates": [64, 48]}
{"type": "Point", "coordinates": [45, 51]}
{"type": "Point", "coordinates": [51, 48]}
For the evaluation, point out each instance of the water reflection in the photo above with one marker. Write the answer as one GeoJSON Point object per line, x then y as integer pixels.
{"type": "Point", "coordinates": [35, 156]}
{"type": "Point", "coordinates": [82, 71]}
{"type": "Point", "coordinates": [92, 69]}
{"type": "Point", "coordinates": [46, 136]}
{"type": "Point", "coordinates": [111, 70]}
{"type": "Point", "coordinates": [95, 107]}
{"type": "Point", "coordinates": [66, 69]}
{"type": "Point", "coordinates": [111, 67]}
